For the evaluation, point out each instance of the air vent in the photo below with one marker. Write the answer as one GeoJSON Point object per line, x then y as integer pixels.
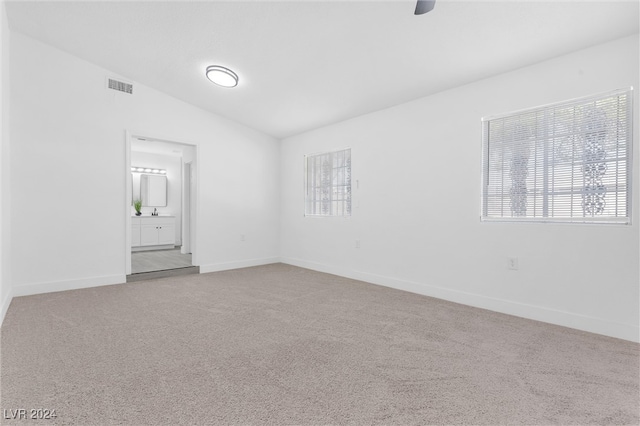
{"type": "Point", "coordinates": [120, 86]}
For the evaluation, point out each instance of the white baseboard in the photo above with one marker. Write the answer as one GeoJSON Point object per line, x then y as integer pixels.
{"type": "Point", "coordinates": [225, 266]}
{"type": "Point", "coordinates": [538, 313]}
{"type": "Point", "coordinates": [5, 305]}
{"type": "Point", "coordinates": [51, 286]}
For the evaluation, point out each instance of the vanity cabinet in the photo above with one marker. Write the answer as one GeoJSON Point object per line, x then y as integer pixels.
{"type": "Point", "coordinates": [153, 232]}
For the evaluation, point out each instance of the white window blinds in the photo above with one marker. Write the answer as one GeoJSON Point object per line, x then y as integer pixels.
{"type": "Point", "coordinates": [328, 184]}
{"type": "Point", "coordinates": [569, 161]}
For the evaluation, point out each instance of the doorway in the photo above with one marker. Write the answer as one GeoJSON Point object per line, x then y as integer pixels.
{"type": "Point", "coordinates": [161, 205]}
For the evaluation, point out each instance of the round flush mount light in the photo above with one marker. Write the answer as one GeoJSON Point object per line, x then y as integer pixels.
{"type": "Point", "coordinates": [222, 76]}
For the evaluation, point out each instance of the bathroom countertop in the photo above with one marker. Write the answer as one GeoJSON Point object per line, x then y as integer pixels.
{"type": "Point", "coordinates": [148, 215]}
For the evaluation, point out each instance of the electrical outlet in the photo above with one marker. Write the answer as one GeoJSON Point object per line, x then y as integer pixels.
{"type": "Point", "coordinates": [512, 263]}
{"type": "Point", "coordinates": [357, 243]}
{"type": "Point", "coordinates": [241, 237]}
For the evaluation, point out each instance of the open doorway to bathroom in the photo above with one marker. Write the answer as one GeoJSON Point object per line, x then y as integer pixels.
{"type": "Point", "coordinates": [161, 219]}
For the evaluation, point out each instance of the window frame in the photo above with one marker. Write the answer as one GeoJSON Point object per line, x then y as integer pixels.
{"type": "Point", "coordinates": [333, 184]}
{"type": "Point", "coordinates": [589, 220]}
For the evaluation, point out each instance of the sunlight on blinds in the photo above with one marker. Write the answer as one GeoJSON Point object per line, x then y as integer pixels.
{"type": "Point", "coordinates": [328, 184]}
{"type": "Point", "coordinates": [564, 162]}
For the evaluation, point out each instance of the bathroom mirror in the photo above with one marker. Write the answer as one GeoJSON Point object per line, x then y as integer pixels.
{"type": "Point", "coordinates": [153, 190]}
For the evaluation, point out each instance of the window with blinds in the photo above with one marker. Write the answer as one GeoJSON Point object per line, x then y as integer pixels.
{"type": "Point", "coordinates": [328, 184]}
{"type": "Point", "coordinates": [569, 161]}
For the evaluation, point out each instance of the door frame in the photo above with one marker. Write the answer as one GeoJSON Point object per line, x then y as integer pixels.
{"type": "Point", "coordinates": [187, 206]}
{"type": "Point", "coordinates": [129, 136]}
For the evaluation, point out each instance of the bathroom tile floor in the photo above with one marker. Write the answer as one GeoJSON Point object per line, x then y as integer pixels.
{"type": "Point", "coordinates": [159, 260]}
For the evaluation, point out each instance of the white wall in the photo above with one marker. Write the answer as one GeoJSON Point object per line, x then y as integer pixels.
{"type": "Point", "coordinates": [5, 200]}
{"type": "Point", "coordinates": [417, 210]}
{"type": "Point", "coordinates": [173, 166]}
{"type": "Point", "coordinates": [68, 157]}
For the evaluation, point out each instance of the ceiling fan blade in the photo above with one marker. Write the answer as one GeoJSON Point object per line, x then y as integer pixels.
{"type": "Point", "coordinates": [424, 6]}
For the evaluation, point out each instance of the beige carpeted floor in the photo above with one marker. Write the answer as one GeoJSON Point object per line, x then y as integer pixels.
{"type": "Point", "coordinates": [282, 345]}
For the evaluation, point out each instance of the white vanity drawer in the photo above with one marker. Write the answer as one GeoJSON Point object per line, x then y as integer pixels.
{"type": "Point", "coordinates": [158, 221]}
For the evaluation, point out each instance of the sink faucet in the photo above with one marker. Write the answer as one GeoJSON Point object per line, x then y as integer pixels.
{"type": "Point", "coordinates": [155, 212]}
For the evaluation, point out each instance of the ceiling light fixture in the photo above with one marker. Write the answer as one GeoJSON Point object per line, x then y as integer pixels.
{"type": "Point", "coordinates": [222, 76]}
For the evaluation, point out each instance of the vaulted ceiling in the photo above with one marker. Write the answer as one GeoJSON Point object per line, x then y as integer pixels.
{"type": "Point", "coordinates": [306, 64]}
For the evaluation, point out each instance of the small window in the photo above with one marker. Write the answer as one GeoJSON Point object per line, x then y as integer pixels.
{"type": "Point", "coordinates": [566, 162]}
{"type": "Point", "coordinates": [328, 184]}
